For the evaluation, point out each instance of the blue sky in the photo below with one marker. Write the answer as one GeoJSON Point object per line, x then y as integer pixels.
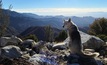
{"type": "Point", "coordinates": [57, 7]}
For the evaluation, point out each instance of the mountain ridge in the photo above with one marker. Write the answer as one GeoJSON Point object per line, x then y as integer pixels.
{"type": "Point", "coordinates": [39, 31]}
{"type": "Point", "coordinates": [22, 21]}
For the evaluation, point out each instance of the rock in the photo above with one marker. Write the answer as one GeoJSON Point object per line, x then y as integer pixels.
{"type": "Point", "coordinates": [99, 62]}
{"type": "Point", "coordinates": [103, 51]}
{"type": "Point", "coordinates": [49, 45]}
{"type": "Point", "coordinates": [89, 41]}
{"type": "Point", "coordinates": [19, 61]}
{"type": "Point", "coordinates": [11, 52]}
{"type": "Point", "coordinates": [80, 60]}
{"type": "Point", "coordinates": [9, 41]}
{"type": "Point", "coordinates": [26, 56]}
{"type": "Point", "coordinates": [41, 42]}
{"type": "Point", "coordinates": [74, 64]}
{"type": "Point", "coordinates": [40, 59]}
{"type": "Point", "coordinates": [59, 46]}
{"type": "Point", "coordinates": [38, 46]}
{"type": "Point", "coordinates": [29, 43]}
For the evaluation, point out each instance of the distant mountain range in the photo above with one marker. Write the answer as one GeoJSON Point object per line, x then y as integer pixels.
{"type": "Point", "coordinates": [22, 21]}
{"type": "Point", "coordinates": [96, 14]}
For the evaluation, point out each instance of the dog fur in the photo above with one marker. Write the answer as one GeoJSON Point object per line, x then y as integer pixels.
{"type": "Point", "coordinates": [74, 42]}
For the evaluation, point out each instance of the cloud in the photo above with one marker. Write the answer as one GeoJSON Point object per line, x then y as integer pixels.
{"type": "Point", "coordinates": [61, 11]}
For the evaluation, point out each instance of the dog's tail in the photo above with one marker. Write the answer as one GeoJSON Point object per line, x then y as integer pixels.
{"type": "Point", "coordinates": [90, 54]}
{"type": "Point", "coordinates": [93, 55]}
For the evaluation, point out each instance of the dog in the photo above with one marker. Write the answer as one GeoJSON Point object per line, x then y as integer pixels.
{"type": "Point", "coordinates": [74, 43]}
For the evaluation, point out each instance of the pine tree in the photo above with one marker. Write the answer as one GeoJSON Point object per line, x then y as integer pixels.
{"type": "Point", "coordinates": [61, 37]}
{"type": "Point", "coordinates": [49, 33]}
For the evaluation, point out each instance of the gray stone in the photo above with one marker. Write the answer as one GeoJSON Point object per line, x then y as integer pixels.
{"type": "Point", "coordinates": [9, 41]}
{"type": "Point", "coordinates": [91, 42]}
{"type": "Point", "coordinates": [59, 46]}
{"type": "Point", "coordinates": [74, 64]}
{"type": "Point", "coordinates": [40, 59]}
{"type": "Point", "coordinates": [29, 43]}
{"type": "Point", "coordinates": [11, 52]}
{"type": "Point", "coordinates": [74, 59]}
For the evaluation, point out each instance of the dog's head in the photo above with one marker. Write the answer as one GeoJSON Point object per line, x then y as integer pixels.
{"type": "Point", "coordinates": [67, 23]}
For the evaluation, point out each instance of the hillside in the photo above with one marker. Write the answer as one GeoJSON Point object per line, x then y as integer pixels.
{"type": "Point", "coordinates": [39, 32]}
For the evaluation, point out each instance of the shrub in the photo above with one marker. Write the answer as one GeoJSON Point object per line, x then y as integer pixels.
{"type": "Point", "coordinates": [99, 28]}
{"type": "Point", "coordinates": [61, 37]}
{"type": "Point", "coordinates": [103, 37]}
{"type": "Point", "coordinates": [31, 36]}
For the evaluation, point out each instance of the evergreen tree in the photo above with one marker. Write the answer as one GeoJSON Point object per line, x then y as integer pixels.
{"type": "Point", "coordinates": [49, 33]}
{"type": "Point", "coordinates": [61, 37]}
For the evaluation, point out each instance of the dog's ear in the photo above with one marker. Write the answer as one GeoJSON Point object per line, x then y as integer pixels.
{"type": "Point", "coordinates": [69, 20]}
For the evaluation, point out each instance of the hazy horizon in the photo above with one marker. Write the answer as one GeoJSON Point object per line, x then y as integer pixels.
{"type": "Point", "coordinates": [95, 8]}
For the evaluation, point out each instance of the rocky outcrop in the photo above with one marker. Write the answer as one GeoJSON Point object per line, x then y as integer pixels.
{"type": "Point", "coordinates": [13, 40]}
{"type": "Point", "coordinates": [29, 43]}
{"type": "Point", "coordinates": [11, 52]}
{"type": "Point", "coordinates": [91, 42]}
{"type": "Point", "coordinates": [15, 56]}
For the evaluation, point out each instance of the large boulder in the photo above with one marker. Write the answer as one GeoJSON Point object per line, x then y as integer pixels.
{"type": "Point", "coordinates": [10, 52]}
{"type": "Point", "coordinates": [89, 41]}
{"type": "Point", "coordinates": [13, 40]}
